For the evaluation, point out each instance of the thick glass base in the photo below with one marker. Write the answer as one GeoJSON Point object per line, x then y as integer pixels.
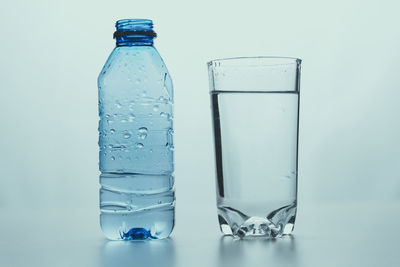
{"type": "Point", "coordinates": [277, 223]}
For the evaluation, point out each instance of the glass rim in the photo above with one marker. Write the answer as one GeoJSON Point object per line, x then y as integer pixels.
{"type": "Point", "coordinates": [284, 60]}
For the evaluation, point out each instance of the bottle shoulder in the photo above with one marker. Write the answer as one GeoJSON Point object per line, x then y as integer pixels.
{"type": "Point", "coordinates": [135, 68]}
{"type": "Point", "coordinates": [129, 60]}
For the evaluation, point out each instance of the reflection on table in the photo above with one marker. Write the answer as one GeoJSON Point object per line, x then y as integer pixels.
{"type": "Point", "coordinates": [138, 253]}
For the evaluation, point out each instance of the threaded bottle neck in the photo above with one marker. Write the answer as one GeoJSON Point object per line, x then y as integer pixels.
{"type": "Point", "coordinates": [133, 32]}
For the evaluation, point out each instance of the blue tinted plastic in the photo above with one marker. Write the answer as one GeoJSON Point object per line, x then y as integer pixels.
{"type": "Point", "coordinates": [136, 139]}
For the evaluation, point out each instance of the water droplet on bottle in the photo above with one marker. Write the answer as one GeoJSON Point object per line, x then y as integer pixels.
{"type": "Point", "coordinates": [127, 135]}
{"type": "Point", "coordinates": [156, 107]}
{"type": "Point", "coordinates": [112, 131]}
{"type": "Point", "coordinates": [137, 81]}
{"type": "Point", "coordinates": [123, 121]}
{"type": "Point", "coordinates": [131, 106]}
{"type": "Point", "coordinates": [112, 158]}
{"type": "Point", "coordinates": [163, 114]}
{"type": "Point", "coordinates": [151, 150]}
{"type": "Point", "coordinates": [131, 118]}
{"type": "Point", "coordinates": [118, 104]}
{"type": "Point", "coordinates": [110, 146]}
{"type": "Point", "coordinates": [119, 147]}
{"type": "Point", "coordinates": [139, 145]}
{"type": "Point", "coordinates": [142, 130]}
{"type": "Point", "coordinates": [142, 136]}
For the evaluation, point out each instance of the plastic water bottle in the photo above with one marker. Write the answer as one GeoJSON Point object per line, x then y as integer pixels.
{"type": "Point", "coordinates": [137, 196]}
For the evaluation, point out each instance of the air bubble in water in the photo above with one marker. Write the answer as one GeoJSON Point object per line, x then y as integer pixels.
{"type": "Point", "coordinates": [127, 135]}
{"type": "Point", "coordinates": [155, 107]}
{"type": "Point", "coordinates": [112, 131]}
{"type": "Point", "coordinates": [112, 158]}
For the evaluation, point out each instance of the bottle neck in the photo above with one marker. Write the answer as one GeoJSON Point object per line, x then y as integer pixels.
{"type": "Point", "coordinates": [134, 40]}
{"type": "Point", "coordinates": [134, 32]}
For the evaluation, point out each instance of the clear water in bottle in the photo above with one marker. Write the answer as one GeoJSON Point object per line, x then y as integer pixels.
{"type": "Point", "coordinates": [137, 197]}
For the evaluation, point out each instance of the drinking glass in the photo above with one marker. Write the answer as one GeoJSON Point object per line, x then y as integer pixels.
{"type": "Point", "coordinates": [255, 114]}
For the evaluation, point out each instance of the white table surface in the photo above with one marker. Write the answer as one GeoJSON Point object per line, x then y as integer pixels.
{"type": "Point", "coordinates": [335, 234]}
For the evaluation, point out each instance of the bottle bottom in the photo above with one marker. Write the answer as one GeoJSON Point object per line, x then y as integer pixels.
{"type": "Point", "coordinates": [136, 206]}
{"type": "Point", "coordinates": [240, 225]}
{"type": "Point", "coordinates": [147, 224]}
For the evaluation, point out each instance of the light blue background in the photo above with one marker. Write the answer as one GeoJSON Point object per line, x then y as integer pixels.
{"type": "Point", "coordinates": [52, 52]}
